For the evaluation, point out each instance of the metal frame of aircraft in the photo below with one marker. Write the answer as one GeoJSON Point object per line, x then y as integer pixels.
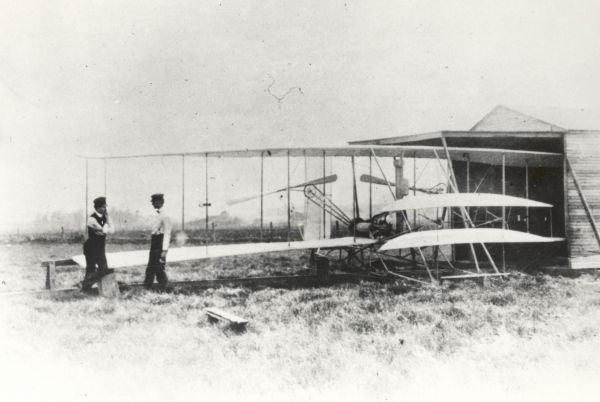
{"type": "Point", "coordinates": [373, 236]}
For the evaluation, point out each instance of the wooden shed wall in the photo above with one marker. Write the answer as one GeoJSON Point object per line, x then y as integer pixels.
{"type": "Point", "coordinates": [582, 148]}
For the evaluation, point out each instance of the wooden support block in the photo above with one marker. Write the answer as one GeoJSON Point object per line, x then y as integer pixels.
{"type": "Point", "coordinates": [322, 264]}
{"type": "Point", "coordinates": [108, 286]}
{"type": "Point", "coordinates": [51, 275]}
{"type": "Point", "coordinates": [215, 314]}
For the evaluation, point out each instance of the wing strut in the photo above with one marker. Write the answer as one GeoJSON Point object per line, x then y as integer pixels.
{"type": "Point", "coordinates": [288, 199]}
{"type": "Point", "coordinates": [405, 218]}
{"type": "Point", "coordinates": [466, 217]}
{"type": "Point", "coordinates": [383, 174]}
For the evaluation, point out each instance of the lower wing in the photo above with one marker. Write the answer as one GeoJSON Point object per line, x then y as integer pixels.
{"type": "Point", "coordinates": [140, 257]}
{"type": "Point", "coordinates": [463, 236]}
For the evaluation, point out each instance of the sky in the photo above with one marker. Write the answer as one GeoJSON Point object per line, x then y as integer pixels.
{"type": "Point", "coordinates": [114, 77]}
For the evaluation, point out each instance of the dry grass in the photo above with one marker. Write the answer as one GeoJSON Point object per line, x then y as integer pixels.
{"type": "Point", "coordinates": [529, 338]}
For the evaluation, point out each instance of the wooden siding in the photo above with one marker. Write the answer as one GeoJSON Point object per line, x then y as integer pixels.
{"type": "Point", "coordinates": [582, 148]}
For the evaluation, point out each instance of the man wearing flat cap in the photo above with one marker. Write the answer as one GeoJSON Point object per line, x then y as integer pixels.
{"type": "Point", "coordinates": [94, 248]}
{"type": "Point", "coordinates": [159, 245]}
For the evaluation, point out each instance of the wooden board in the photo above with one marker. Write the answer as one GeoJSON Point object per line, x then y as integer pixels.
{"type": "Point", "coordinates": [222, 315]}
{"type": "Point", "coordinates": [463, 236]}
{"type": "Point", "coordinates": [140, 257]}
{"type": "Point", "coordinates": [585, 262]}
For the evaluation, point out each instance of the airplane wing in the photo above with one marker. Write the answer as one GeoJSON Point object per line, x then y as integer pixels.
{"type": "Point", "coordinates": [489, 156]}
{"type": "Point", "coordinates": [463, 236]}
{"type": "Point", "coordinates": [461, 200]}
{"type": "Point", "coordinates": [140, 257]}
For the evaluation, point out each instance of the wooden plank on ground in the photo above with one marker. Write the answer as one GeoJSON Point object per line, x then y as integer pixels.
{"type": "Point", "coordinates": [222, 315]}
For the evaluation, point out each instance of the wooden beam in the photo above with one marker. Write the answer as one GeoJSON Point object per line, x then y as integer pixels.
{"type": "Point", "coordinates": [414, 187]}
{"type": "Point", "coordinates": [67, 262]}
{"type": "Point", "coordinates": [51, 275]}
{"type": "Point", "coordinates": [262, 192]}
{"type": "Point", "coordinates": [527, 195]}
{"type": "Point", "coordinates": [206, 203]}
{"type": "Point", "coordinates": [370, 188]}
{"type": "Point", "coordinates": [354, 200]}
{"type": "Point", "coordinates": [468, 174]}
{"type": "Point", "coordinates": [288, 200]}
{"type": "Point", "coordinates": [565, 178]}
{"type": "Point", "coordinates": [323, 215]}
{"type": "Point", "coordinates": [504, 223]}
{"type": "Point", "coordinates": [182, 192]}
{"type": "Point", "coordinates": [288, 281]}
{"type": "Point", "coordinates": [105, 192]}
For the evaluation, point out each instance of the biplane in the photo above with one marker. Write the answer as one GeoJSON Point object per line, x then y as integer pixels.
{"type": "Point", "coordinates": [375, 243]}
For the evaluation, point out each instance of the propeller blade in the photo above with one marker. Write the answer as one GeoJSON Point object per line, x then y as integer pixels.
{"type": "Point", "coordinates": [437, 189]}
{"type": "Point", "coordinates": [365, 178]}
{"type": "Point", "coordinates": [321, 180]}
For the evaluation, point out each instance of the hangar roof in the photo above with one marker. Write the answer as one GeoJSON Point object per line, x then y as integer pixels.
{"type": "Point", "coordinates": [501, 128]}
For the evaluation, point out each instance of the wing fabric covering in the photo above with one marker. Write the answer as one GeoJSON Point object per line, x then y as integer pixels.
{"type": "Point", "coordinates": [140, 257]}
{"type": "Point", "coordinates": [463, 236]}
{"type": "Point", "coordinates": [461, 200]}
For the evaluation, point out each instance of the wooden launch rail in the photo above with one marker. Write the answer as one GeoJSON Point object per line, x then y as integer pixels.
{"type": "Point", "coordinates": [472, 276]}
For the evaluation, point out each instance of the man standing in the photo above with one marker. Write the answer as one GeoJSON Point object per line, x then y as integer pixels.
{"type": "Point", "coordinates": [94, 248]}
{"type": "Point", "coordinates": [159, 245]}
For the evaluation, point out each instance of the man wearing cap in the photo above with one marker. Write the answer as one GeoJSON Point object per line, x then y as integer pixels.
{"type": "Point", "coordinates": [94, 248]}
{"type": "Point", "coordinates": [159, 245]}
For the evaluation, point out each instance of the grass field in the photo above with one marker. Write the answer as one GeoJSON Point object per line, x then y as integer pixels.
{"type": "Point", "coordinates": [530, 338]}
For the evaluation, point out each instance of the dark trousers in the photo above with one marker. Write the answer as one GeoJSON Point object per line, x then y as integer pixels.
{"type": "Point", "coordinates": [155, 268]}
{"type": "Point", "coordinates": [95, 258]}
{"type": "Point", "coordinates": [95, 261]}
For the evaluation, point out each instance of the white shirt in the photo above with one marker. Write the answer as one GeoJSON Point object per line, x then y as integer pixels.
{"type": "Point", "coordinates": [162, 225]}
{"type": "Point", "coordinates": [93, 224]}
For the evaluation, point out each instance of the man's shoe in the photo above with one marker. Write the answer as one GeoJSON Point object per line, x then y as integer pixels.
{"type": "Point", "coordinates": [103, 272]}
{"type": "Point", "coordinates": [86, 286]}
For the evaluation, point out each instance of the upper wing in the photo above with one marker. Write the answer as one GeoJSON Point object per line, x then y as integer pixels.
{"type": "Point", "coordinates": [140, 257]}
{"type": "Point", "coordinates": [463, 236]}
{"type": "Point", "coordinates": [490, 156]}
{"type": "Point", "coordinates": [461, 200]}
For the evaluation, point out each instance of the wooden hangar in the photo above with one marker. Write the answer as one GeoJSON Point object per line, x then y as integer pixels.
{"type": "Point", "coordinates": [563, 172]}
